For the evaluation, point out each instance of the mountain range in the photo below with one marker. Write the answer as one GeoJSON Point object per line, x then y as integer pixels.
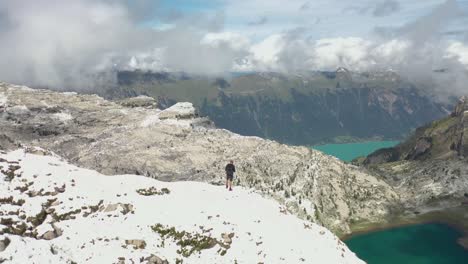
{"type": "Point", "coordinates": [299, 109]}
{"type": "Point", "coordinates": [131, 136]}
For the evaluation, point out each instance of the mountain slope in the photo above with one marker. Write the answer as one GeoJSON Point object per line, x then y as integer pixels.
{"type": "Point", "coordinates": [176, 144]}
{"type": "Point", "coordinates": [53, 212]}
{"type": "Point", "coordinates": [432, 165]}
{"type": "Point", "coordinates": [299, 109]}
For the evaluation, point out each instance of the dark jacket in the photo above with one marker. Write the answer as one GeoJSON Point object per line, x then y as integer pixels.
{"type": "Point", "coordinates": [230, 169]}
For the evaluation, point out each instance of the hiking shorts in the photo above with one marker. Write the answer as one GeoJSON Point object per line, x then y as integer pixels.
{"type": "Point", "coordinates": [229, 177]}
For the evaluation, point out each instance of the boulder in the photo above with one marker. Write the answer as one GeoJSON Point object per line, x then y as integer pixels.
{"type": "Point", "coordinates": [4, 243]}
{"type": "Point", "coordinates": [179, 111]}
{"type": "Point", "coordinates": [155, 260]}
{"type": "Point", "coordinates": [49, 235]}
{"type": "Point", "coordinates": [126, 208]}
{"type": "Point", "coordinates": [227, 238]}
{"type": "Point", "coordinates": [136, 243]}
{"type": "Point", "coordinates": [52, 234]}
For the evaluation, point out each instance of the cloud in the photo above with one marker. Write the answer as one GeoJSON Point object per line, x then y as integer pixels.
{"type": "Point", "coordinates": [431, 25]}
{"type": "Point", "coordinates": [385, 8]}
{"type": "Point", "coordinates": [54, 43]}
{"type": "Point", "coordinates": [459, 51]}
{"type": "Point", "coordinates": [379, 8]}
{"type": "Point", "coordinates": [79, 43]}
{"type": "Point", "coordinates": [260, 21]}
{"type": "Point", "coordinates": [305, 6]}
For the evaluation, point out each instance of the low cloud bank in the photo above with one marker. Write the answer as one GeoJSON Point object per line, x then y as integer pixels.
{"type": "Point", "coordinates": [78, 44]}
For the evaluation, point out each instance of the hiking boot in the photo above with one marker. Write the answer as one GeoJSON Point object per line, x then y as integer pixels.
{"type": "Point", "coordinates": [230, 189]}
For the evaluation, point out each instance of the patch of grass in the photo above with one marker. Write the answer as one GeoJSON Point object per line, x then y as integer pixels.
{"type": "Point", "coordinates": [10, 173]}
{"type": "Point", "coordinates": [189, 242]}
{"type": "Point", "coordinates": [12, 201]}
{"type": "Point", "coordinates": [153, 191]}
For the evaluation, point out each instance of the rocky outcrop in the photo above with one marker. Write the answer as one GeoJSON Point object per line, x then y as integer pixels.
{"type": "Point", "coordinates": [153, 259]}
{"type": "Point", "coordinates": [139, 101]}
{"type": "Point", "coordinates": [431, 166]}
{"type": "Point", "coordinates": [176, 144]}
{"type": "Point", "coordinates": [136, 243]}
{"type": "Point", "coordinates": [179, 111]}
{"type": "Point", "coordinates": [442, 139]}
{"type": "Point", "coordinates": [4, 243]}
{"type": "Point", "coordinates": [461, 107]}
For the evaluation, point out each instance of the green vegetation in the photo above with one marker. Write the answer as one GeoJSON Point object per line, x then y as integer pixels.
{"type": "Point", "coordinates": [189, 242]}
{"type": "Point", "coordinates": [153, 191]}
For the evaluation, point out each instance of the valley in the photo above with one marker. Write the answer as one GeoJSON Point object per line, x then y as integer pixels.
{"type": "Point", "coordinates": [299, 109]}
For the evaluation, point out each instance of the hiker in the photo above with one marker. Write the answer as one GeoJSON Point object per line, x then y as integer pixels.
{"type": "Point", "coordinates": [230, 169]}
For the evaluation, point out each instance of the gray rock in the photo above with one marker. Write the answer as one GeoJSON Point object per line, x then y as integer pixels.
{"type": "Point", "coordinates": [136, 243]}
{"type": "Point", "coordinates": [140, 101]}
{"type": "Point", "coordinates": [179, 111]}
{"type": "Point", "coordinates": [52, 234]}
{"type": "Point", "coordinates": [227, 238]}
{"type": "Point", "coordinates": [49, 235]}
{"type": "Point", "coordinates": [4, 244]}
{"type": "Point", "coordinates": [155, 260]}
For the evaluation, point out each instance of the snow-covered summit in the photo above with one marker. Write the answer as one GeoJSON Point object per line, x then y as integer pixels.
{"type": "Point", "coordinates": [54, 212]}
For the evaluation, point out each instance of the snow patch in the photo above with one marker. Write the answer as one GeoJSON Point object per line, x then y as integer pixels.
{"type": "Point", "coordinates": [3, 99]}
{"type": "Point", "coordinates": [150, 121]}
{"type": "Point", "coordinates": [244, 226]}
{"type": "Point", "coordinates": [18, 109]}
{"type": "Point", "coordinates": [20, 87]}
{"type": "Point", "coordinates": [64, 117]}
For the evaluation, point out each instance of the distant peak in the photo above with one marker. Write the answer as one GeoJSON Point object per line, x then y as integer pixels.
{"type": "Point", "coordinates": [342, 69]}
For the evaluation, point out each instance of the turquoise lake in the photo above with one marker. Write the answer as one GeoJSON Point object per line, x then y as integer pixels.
{"type": "Point", "coordinates": [417, 244]}
{"type": "Point", "coordinates": [350, 151]}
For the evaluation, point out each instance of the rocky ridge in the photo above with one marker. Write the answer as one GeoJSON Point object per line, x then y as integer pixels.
{"type": "Point", "coordinates": [431, 165]}
{"type": "Point", "coordinates": [176, 144]}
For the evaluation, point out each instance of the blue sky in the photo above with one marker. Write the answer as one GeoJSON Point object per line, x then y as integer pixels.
{"type": "Point", "coordinates": [322, 18]}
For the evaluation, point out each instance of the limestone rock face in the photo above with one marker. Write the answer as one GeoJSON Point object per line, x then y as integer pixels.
{"type": "Point", "coordinates": [139, 101]}
{"type": "Point", "coordinates": [179, 111]}
{"type": "Point", "coordinates": [176, 144]}
{"type": "Point", "coordinates": [431, 166]}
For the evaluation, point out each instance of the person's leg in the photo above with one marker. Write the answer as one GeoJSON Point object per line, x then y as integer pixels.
{"type": "Point", "coordinates": [230, 183]}
{"type": "Point", "coordinates": [227, 182]}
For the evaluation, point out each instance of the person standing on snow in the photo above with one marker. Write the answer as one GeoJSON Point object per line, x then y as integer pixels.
{"type": "Point", "coordinates": [230, 169]}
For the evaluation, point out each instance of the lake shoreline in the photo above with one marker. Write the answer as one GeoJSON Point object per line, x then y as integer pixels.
{"type": "Point", "coordinates": [350, 151]}
{"type": "Point", "coordinates": [456, 218]}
